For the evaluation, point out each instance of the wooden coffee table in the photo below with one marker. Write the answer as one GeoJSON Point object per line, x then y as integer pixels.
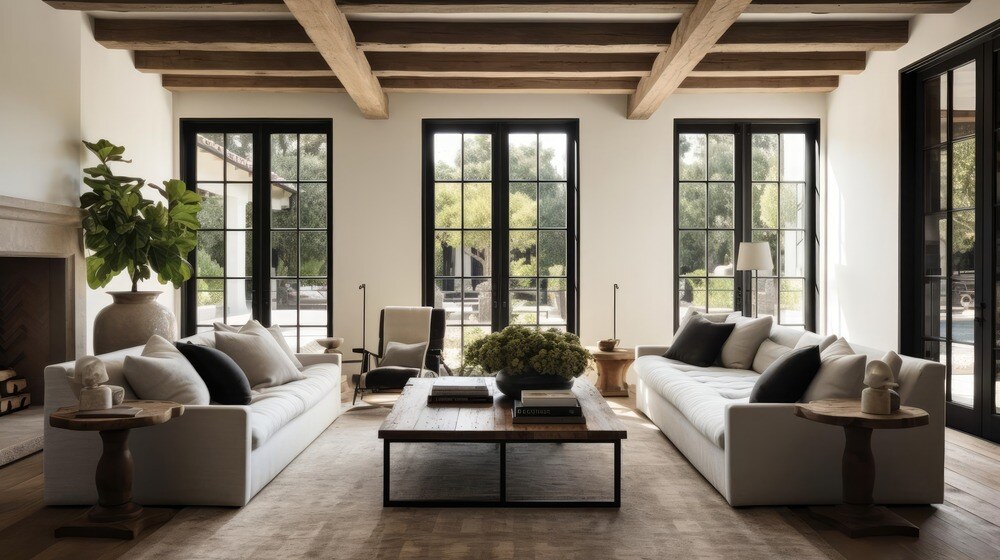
{"type": "Point", "coordinates": [115, 515]}
{"type": "Point", "coordinates": [611, 370]}
{"type": "Point", "coordinates": [858, 516]}
{"type": "Point", "coordinates": [412, 420]}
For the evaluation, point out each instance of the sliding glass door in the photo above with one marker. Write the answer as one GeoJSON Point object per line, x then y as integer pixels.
{"type": "Point", "coordinates": [264, 247]}
{"type": "Point", "coordinates": [950, 281]}
{"type": "Point", "coordinates": [500, 236]}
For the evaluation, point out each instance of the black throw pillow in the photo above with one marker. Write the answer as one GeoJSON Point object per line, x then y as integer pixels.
{"type": "Point", "coordinates": [700, 342]}
{"type": "Point", "coordinates": [786, 380]}
{"type": "Point", "coordinates": [227, 384]}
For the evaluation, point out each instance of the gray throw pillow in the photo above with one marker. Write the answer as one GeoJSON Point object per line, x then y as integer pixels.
{"type": "Point", "coordinates": [838, 348]}
{"type": "Point", "coordinates": [162, 373]}
{"type": "Point", "coordinates": [813, 339]}
{"type": "Point", "coordinates": [740, 349]}
{"type": "Point", "coordinates": [403, 355]}
{"type": "Point", "coordinates": [839, 377]}
{"type": "Point", "coordinates": [274, 330]}
{"type": "Point", "coordinates": [895, 363]}
{"type": "Point", "coordinates": [767, 354]}
{"type": "Point", "coordinates": [259, 356]}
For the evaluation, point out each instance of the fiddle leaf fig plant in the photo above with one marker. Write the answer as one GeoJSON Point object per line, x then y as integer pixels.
{"type": "Point", "coordinates": [127, 232]}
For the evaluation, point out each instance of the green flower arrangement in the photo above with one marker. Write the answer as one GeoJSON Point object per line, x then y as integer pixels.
{"type": "Point", "coordinates": [522, 350]}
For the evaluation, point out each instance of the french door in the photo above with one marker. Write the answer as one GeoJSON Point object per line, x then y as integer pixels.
{"type": "Point", "coordinates": [500, 220]}
{"type": "Point", "coordinates": [950, 281]}
{"type": "Point", "coordinates": [263, 249]}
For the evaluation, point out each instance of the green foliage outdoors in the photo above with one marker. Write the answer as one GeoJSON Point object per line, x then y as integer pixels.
{"type": "Point", "coordinates": [127, 232]}
{"type": "Point", "coordinates": [524, 350]}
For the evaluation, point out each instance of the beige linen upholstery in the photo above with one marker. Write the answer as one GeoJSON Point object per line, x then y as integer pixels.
{"type": "Point", "coordinates": [406, 325]}
{"type": "Point", "coordinates": [741, 347]}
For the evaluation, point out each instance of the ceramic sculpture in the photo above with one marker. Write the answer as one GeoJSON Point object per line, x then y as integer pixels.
{"type": "Point", "coordinates": [877, 398]}
{"type": "Point", "coordinates": [88, 380]}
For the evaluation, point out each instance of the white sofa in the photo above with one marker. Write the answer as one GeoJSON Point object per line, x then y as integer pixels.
{"type": "Point", "coordinates": [212, 455]}
{"type": "Point", "coordinates": [762, 454]}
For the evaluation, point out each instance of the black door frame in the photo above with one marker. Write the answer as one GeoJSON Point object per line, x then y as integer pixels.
{"type": "Point", "coordinates": [743, 130]}
{"type": "Point", "coordinates": [500, 128]}
{"type": "Point", "coordinates": [981, 47]}
{"type": "Point", "coordinates": [260, 129]}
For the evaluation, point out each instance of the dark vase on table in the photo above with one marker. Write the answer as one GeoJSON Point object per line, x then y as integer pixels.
{"type": "Point", "coordinates": [512, 385]}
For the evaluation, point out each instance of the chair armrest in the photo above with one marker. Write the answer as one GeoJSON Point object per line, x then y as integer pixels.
{"type": "Point", "coordinates": [311, 359]}
{"type": "Point", "coordinates": [650, 350]}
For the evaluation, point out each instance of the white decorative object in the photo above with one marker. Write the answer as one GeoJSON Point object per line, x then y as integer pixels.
{"type": "Point", "coordinates": [876, 399]}
{"type": "Point", "coordinates": [754, 257]}
{"type": "Point", "coordinates": [87, 381]}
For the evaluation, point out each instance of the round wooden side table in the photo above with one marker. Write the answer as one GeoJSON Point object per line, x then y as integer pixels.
{"type": "Point", "coordinates": [115, 515]}
{"type": "Point", "coordinates": [611, 369]}
{"type": "Point", "coordinates": [858, 516]}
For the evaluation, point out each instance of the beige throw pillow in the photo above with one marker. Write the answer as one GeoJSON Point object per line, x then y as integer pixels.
{"type": "Point", "coordinates": [811, 339]}
{"type": "Point", "coordinates": [740, 349]}
{"type": "Point", "coordinates": [768, 352]}
{"type": "Point", "coordinates": [259, 356]}
{"type": "Point", "coordinates": [274, 330]}
{"type": "Point", "coordinates": [162, 373]}
{"type": "Point", "coordinates": [713, 317]}
{"type": "Point", "coordinates": [895, 364]}
{"type": "Point", "coordinates": [841, 374]}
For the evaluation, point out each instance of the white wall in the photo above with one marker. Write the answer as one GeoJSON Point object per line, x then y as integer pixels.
{"type": "Point", "coordinates": [132, 109]}
{"type": "Point", "coordinates": [39, 102]}
{"type": "Point", "coordinates": [863, 180]}
{"type": "Point", "coordinates": [625, 179]}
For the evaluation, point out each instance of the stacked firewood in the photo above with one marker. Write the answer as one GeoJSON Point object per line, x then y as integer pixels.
{"type": "Point", "coordinates": [13, 392]}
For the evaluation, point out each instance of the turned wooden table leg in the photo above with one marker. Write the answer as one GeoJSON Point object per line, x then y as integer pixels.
{"type": "Point", "coordinates": [114, 480]}
{"type": "Point", "coordinates": [858, 466]}
{"type": "Point", "coordinates": [611, 377]}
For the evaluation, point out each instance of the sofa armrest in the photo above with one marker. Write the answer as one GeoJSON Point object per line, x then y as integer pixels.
{"type": "Point", "coordinates": [312, 359]}
{"type": "Point", "coordinates": [650, 350]}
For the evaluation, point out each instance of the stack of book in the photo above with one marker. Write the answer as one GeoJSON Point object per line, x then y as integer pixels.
{"type": "Point", "coordinates": [460, 390]}
{"type": "Point", "coordinates": [548, 407]}
{"type": "Point", "coordinates": [13, 392]}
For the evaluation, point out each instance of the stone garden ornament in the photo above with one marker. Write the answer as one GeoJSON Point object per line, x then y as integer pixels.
{"type": "Point", "coordinates": [88, 380]}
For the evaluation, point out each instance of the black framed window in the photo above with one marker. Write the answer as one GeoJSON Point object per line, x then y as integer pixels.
{"type": "Point", "coordinates": [264, 248]}
{"type": "Point", "coordinates": [739, 181]}
{"type": "Point", "coordinates": [501, 241]}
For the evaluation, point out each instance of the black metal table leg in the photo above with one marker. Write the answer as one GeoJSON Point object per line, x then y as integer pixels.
{"type": "Point", "coordinates": [618, 473]}
{"type": "Point", "coordinates": [385, 473]}
{"type": "Point", "coordinates": [503, 474]}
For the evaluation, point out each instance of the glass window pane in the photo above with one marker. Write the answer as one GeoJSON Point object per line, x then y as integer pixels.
{"type": "Point", "coordinates": [935, 246]}
{"type": "Point", "coordinates": [771, 237]}
{"type": "Point", "coordinates": [962, 378]}
{"type": "Point", "coordinates": [552, 203]}
{"type": "Point", "coordinates": [448, 157]}
{"type": "Point", "coordinates": [478, 157]}
{"type": "Point", "coordinates": [210, 215]}
{"type": "Point", "coordinates": [239, 306]}
{"type": "Point", "coordinates": [792, 301]}
{"type": "Point", "coordinates": [793, 253]}
{"type": "Point", "coordinates": [523, 203]}
{"type": "Point", "coordinates": [963, 174]}
{"type": "Point", "coordinates": [284, 156]}
{"type": "Point", "coordinates": [448, 205]}
{"type": "Point", "coordinates": [284, 301]}
{"type": "Point", "coordinates": [211, 296]}
{"type": "Point", "coordinates": [936, 178]}
{"type": "Point", "coordinates": [936, 111]}
{"type": "Point", "coordinates": [313, 301]}
{"type": "Point", "coordinates": [935, 352]}
{"type": "Point", "coordinates": [964, 103]}
{"type": "Point", "coordinates": [963, 245]}
{"type": "Point", "coordinates": [239, 206]}
{"type": "Point", "coordinates": [793, 157]}
{"type": "Point", "coordinates": [721, 205]}
{"type": "Point", "coordinates": [720, 295]}
{"type": "Point", "coordinates": [552, 157]}
{"type": "Point", "coordinates": [285, 253]}
{"type": "Point", "coordinates": [239, 157]}
{"type": "Point", "coordinates": [312, 157]}
{"type": "Point", "coordinates": [553, 301]}
{"type": "Point", "coordinates": [721, 150]}
{"type": "Point", "coordinates": [315, 205]}
{"type": "Point", "coordinates": [765, 205]}
{"type": "Point", "coordinates": [210, 156]}
{"type": "Point", "coordinates": [452, 353]}
{"type": "Point", "coordinates": [691, 157]}
{"type": "Point", "coordinates": [523, 155]}
{"type": "Point", "coordinates": [478, 301]}
{"type": "Point", "coordinates": [720, 253]}
{"type": "Point", "coordinates": [523, 302]}
{"type": "Point", "coordinates": [239, 253]}
{"type": "Point", "coordinates": [477, 254]}
{"type": "Point", "coordinates": [766, 297]}
{"type": "Point", "coordinates": [472, 334]}
{"type": "Point", "coordinates": [764, 157]}
{"type": "Point", "coordinates": [963, 312]}
{"type": "Point", "coordinates": [693, 294]}
{"type": "Point", "coordinates": [284, 205]}
{"type": "Point", "coordinates": [691, 213]}
{"type": "Point", "coordinates": [478, 205]}
{"type": "Point", "coordinates": [936, 308]}
{"type": "Point", "coordinates": [313, 250]}
{"type": "Point", "coordinates": [793, 205]}
{"type": "Point", "coordinates": [211, 255]}
{"type": "Point", "coordinates": [447, 260]}
{"type": "Point", "coordinates": [523, 253]}
{"type": "Point", "coordinates": [552, 253]}
{"type": "Point", "coordinates": [691, 253]}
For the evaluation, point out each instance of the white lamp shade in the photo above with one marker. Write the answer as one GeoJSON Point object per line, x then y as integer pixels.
{"type": "Point", "coordinates": [754, 255]}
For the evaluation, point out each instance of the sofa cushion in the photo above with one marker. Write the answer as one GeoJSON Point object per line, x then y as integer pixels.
{"type": "Point", "coordinates": [227, 384]}
{"type": "Point", "coordinates": [259, 356]}
{"type": "Point", "coordinates": [271, 408]}
{"type": "Point", "coordinates": [162, 373]}
{"type": "Point", "coordinates": [702, 395]}
{"type": "Point", "coordinates": [700, 342]}
{"type": "Point", "coordinates": [788, 377]}
{"type": "Point", "coordinates": [741, 347]}
{"type": "Point", "coordinates": [813, 339]}
{"type": "Point", "coordinates": [275, 331]}
{"type": "Point", "coordinates": [841, 374]}
{"type": "Point", "coordinates": [768, 352]}
{"type": "Point", "coordinates": [895, 363]}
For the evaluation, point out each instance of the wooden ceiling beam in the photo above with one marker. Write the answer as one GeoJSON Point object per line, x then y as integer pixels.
{"type": "Point", "coordinates": [814, 36]}
{"type": "Point", "coordinates": [154, 6]}
{"type": "Point", "coordinates": [211, 35]}
{"type": "Point", "coordinates": [694, 37]}
{"type": "Point", "coordinates": [327, 26]}
{"type": "Point", "coordinates": [752, 84]}
{"type": "Point", "coordinates": [409, 85]}
{"type": "Point", "coordinates": [225, 63]}
{"type": "Point", "coordinates": [856, 6]}
{"type": "Point", "coordinates": [780, 64]}
{"type": "Point", "coordinates": [509, 65]}
{"type": "Point", "coordinates": [311, 84]}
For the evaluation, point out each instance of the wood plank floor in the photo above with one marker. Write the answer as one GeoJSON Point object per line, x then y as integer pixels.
{"type": "Point", "coordinates": [966, 526]}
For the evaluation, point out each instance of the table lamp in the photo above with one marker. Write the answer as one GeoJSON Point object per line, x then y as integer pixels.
{"type": "Point", "coordinates": [754, 256]}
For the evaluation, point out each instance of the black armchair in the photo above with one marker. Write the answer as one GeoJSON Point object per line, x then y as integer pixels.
{"type": "Point", "coordinates": [405, 325]}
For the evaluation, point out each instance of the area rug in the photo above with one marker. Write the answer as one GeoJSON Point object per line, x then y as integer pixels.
{"type": "Point", "coordinates": [328, 504]}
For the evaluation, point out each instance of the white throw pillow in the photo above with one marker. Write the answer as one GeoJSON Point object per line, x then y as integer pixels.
{"type": "Point", "coordinates": [841, 374]}
{"type": "Point", "coordinates": [895, 364]}
{"type": "Point", "coordinates": [768, 352]}
{"type": "Point", "coordinates": [741, 347]}
{"type": "Point", "coordinates": [274, 330]}
{"type": "Point", "coordinates": [811, 339]}
{"type": "Point", "coordinates": [162, 373]}
{"type": "Point", "coordinates": [259, 356]}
